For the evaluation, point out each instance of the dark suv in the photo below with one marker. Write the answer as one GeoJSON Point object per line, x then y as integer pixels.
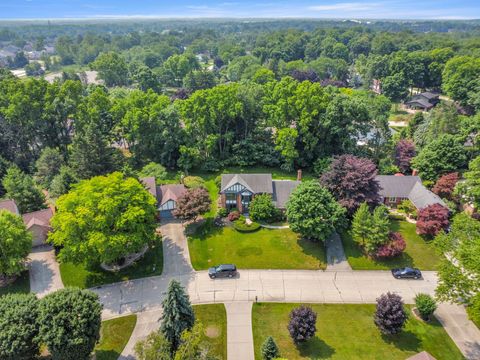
{"type": "Point", "coordinates": [406, 273]}
{"type": "Point", "coordinates": [224, 270]}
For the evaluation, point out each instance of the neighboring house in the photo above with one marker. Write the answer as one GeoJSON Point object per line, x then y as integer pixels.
{"type": "Point", "coordinates": [9, 205]}
{"type": "Point", "coordinates": [38, 223]}
{"type": "Point", "coordinates": [396, 188]}
{"type": "Point", "coordinates": [166, 195]}
{"type": "Point", "coordinates": [238, 190]}
{"type": "Point", "coordinates": [423, 101]}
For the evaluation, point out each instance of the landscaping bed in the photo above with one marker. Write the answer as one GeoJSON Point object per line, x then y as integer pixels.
{"type": "Point", "coordinates": [347, 332]}
{"type": "Point", "coordinates": [262, 249]}
{"type": "Point", "coordinates": [83, 277]}
{"type": "Point", "coordinates": [214, 319]}
{"type": "Point", "coordinates": [114, 336]}
{"type": "Point", "coordinates": [418, 253]}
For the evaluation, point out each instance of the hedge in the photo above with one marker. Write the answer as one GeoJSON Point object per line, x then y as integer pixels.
{"type": "Point", "coordinates": [241, 226]}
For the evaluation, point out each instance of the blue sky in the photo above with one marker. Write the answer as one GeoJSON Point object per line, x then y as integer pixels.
{"type": "Point", "coordinates": [374, 9]}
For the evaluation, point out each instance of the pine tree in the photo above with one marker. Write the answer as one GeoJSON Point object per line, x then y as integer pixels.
{"type": "Point", "coordinates": [178, 314]}
{"type": "Point", "coordinates": [379, 230]}
{"type": "Point", "coordinates": [362, 223]}
{"type": "Point", "coordinates": [21, 188]}
{"type": "Point", "coordinates": [270, 349]}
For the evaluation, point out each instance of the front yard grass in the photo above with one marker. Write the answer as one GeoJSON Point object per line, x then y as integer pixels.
{"type": "Point", "coordinates": [214, 319]}
{"type": "Point", "coordinates": [418, 253]}
{"type": "Point", "coordinates": [263, 249]}
{"type": "Point", "coordinates": [20, 285]}
{"type": "Point", "coordinates": [347, 332]}
{"type": "Point", "coordinates": [114, 335]}
{"type": "Point", "coordinates": [84, 277]}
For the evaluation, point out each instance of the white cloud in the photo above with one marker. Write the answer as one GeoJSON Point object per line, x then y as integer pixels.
{"type": "Point", "coordinates": [351, 6]}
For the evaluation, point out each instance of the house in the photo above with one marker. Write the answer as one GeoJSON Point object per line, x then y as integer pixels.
{"type": "Point", "coordinates": [9, 205]}
{"type": "Point", "coordinates": [423, 101]}
{"type": "Point", "coordinates": [238, 190]}
{"type": "Point", "coordinates": [166, 195]}
{"type": "Point", "coordinates": [38, 223]}
{"type": "Point", "coordinates": [396, 188]}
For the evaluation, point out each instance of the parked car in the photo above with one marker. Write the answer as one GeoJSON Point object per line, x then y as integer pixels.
{"type": "Point", "coordinates": [224, 270]}
{"type": "Point", "coordinates": [406, 273]}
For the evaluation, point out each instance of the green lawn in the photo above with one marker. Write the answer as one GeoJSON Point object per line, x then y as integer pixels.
{"type": "Point", "coordinates": [114, 335]}
{"type": "Point", "coordinates": [263, 249]}
{"type": "Point", "coordinates": [418, 253]}
{"type": "Point", "coordinates": [20, 285]}
{"type": "Point", "coordinates": [214, 319]}
{"type": "Point", "coordinates": [347, 332]}
{"type": "Point", "coordinates": [83, 277]}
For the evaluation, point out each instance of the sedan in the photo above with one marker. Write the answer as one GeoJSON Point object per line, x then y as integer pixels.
{"type": "Point", "coordinates": [406, 273]}
{"type": "Point", "coordinates": [224, 270]}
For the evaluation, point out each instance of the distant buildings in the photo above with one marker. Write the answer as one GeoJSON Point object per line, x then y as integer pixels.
{"type": "Point", "coordinates": [423, 101]}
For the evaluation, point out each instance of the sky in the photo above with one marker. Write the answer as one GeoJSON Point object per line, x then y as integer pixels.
{"type": "Point", "coordinates": [350, 9]}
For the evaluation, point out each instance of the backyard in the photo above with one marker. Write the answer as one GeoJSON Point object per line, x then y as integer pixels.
{"type": "Point", "coordinates": [214, 319]}
{"type": "Point", "coordinates": [114, 335]}
{"type": "Point", "coordinates": [263, 249]}
{"type": "Point", "coordinates": [347, 332]}
{"type": "Point", "coordinates": [418, 253]}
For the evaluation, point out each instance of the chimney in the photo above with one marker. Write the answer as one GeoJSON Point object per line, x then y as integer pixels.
{"type": "Point", "coordinates": [414, 172]}
{"type": "Point", "coordinates": [299, 175]}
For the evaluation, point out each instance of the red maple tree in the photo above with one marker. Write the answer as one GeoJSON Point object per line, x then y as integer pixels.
{"type": "Point", "coordinates": [432, 219]}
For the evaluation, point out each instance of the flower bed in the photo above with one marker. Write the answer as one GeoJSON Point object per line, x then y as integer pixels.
{"type": "Point", "coordinates": [245, 226]}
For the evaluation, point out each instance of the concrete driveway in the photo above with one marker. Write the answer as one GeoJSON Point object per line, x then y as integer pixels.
{"type": "Point", "coordinates": [44, 271]}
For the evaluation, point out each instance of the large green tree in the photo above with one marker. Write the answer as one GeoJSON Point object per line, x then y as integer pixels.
{"type": "Point", "coordinates": [69, 321]}
{"type": "Point", "coordinates": [103, 219]}
{"type": "Point", "coordinates": [21, 188]}
{"type": "Point", "coordinates": [48, 165]}
{"type": "Point", "coordinates": [313, 212]}
{"type": "Point", "coordinates": [470, 188]}
{"type": "Point", "coordinates": [111, 68]}
{"type": "Point", "coordinates": [461, 78]}
{"type": "Point", "coordinates": [18, 321]}
{"type": "Point", "coordinates": [15, 244]}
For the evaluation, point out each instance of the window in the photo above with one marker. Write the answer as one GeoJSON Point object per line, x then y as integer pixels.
{"type": "Point", "coordinates": [392, 199]}
{"type": "Point", "coordinates": [169, 205]}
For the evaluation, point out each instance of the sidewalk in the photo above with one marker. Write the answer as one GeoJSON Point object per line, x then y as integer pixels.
{"type": "Point", "coordinates": [239, 331]}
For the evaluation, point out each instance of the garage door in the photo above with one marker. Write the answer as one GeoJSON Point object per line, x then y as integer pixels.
{"type": "Point", "coordinates": [166, 214]}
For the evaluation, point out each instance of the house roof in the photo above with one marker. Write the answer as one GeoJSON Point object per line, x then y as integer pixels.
{"type": "Point", "coordinates": [9, 205]}
{"type": "Point", "coordinates": [169, 192]}
{"type": "Point", "coordinates": [40, 218]}
{"type": "Point", "coordinates": [422, 356]}
{"type": "Point", "coordinates": [428, 95]}
{"type": "Point", "coordinates": [255, 183]}
{"type": "Point", "coordinates": [422, 102]}
{"type": "Point", "coordinates": [421, 197]}
{"type": "Point", "coordinates": [150, 184]}
{"type": "Point", "coordinates": [282, 190]}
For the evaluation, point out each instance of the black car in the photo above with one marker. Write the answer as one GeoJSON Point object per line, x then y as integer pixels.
{"type": "Point", "coordinates": [224, 270]}
{"type": "Point", "coordinates": [406, 273]}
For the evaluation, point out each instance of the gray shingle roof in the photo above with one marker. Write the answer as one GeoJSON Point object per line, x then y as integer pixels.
{"type": "Point", "coordinates": [256, 183]}
{"type": "Point", "coordinates": [396, 186]}
{"type": "Point", "coordinates": [421, 197]}
{"type": "Point", "coordinates": [421, 102]}
{"type": "Point", "coordinates": [282, 190]}
{"type": "Point", "coordinates": [9, 205]}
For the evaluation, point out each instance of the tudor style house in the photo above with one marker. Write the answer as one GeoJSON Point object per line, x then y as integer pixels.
{"type": "Point", "coordinates": [423, 101]}
{"type": "Point", "coordinates": [166, 195]}
{"type": "Point", "coordinates": [396, 188]}
{"type": "Point", "coordinates": [238, 190]}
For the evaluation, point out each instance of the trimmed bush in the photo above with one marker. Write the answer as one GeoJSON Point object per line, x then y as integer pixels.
{"type": "Point", "coordinates": [394, 247]}
{"type": "Point", "coordinates": [222, 212]}
{"type": "Point", "coordinates": [426, 305]}
{"type": "Point", "coordinates": [242, 226]}
{"type": "Point", "coordinates": [193, 182]}
{"type": "Point", "coordinates": [396, 217]}
{"type": "Point", "coordinates": [262, 209]}
{"type": "Point", "coordinates": [302, 325]}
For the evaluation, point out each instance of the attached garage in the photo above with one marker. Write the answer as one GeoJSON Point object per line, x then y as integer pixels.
{"type": "Point", "coordinates": [38, 223]}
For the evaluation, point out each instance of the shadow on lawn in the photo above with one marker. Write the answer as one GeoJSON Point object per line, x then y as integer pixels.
{"type": "Point", "coordinates": [106, 355]}
{"type": "Point", "coordinates": [316, 348]}
{"type": "Point", "coordinates": [314, 249]}
{"type": "Point", "coordinates": [405, 341]}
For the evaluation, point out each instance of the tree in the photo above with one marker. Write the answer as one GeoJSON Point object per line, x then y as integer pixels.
{"type": "Point", "coordinates": [395, 87]}
{"type": "Point", "coordinates": [285, 144]}
{"type": "Point", "coordinates": [262, 208]}
{"type": "Point", "coordinates": [380, 229]}
{"type": "Point", "coordinates": [460, 78]}
{"type": "Point", "coordinates": [426, 305]}
{"type": "Point", "coordinates": [178, 315]}
{"type": "Point", "coordinates": [390, 316]}
{"type": "Point", "coordinates": [362, 223]}
{"type": "Point", "coordinates": [445, 185]}
{"type": "Point", "coordinates": [62, 182]}
{"type": "Point", "coordinates": [48, 165]}
{"type": "Point", "coordinates": [394, 247]}
{"type": "Point", "coordinates": [270, 349]}
{"type": "Point", "coordinates": [302, 325]}
{"type": "Point", "coordinates": [459, 272]}
{"type": "Point", "coordinates": [18, 321]}
{"type": "Point", "coordinates": [192, 203]}
{"type": "Point", "coordinates": [21, 188]}
{"type": "Point", "coordinates": [470, 188]}
{"type": "Point", "coordinates": [432, 219]}
{"type": "Point", "coordinates": [313, 212]}
{"type": "Point", "coordinates": [153, 169]}
{"type": "Point", "coordinates": [103, 219]}
{"type": "Point", "coordinates": [415, 122]}
{"type": "Point", "coordinates": [69, 321]}
{"type": "Point", "coordinates": [443, 155]}
{"type": "Point", "coordinates": [15, 244]}
{"type": "Point", "coordinates": [111, 68]}
{"type": "Point", "coordinates": [192, 346]}
{"type": "Point", "coordinates": [352, 181]}
{"type": "Point", "coordinates": [199, 80]}
{"type": "Point", "coordinates": [404, 153]}
{"type": "Point", "coordinates": [154, 347]}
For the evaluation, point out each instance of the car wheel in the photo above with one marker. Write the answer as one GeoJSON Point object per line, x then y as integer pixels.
{"type": "Point", "coordinates": [397, 277]}
{"type": "Point", "coordinates": [230, 275]}
{"type": "Point", "coordinates": [417, 277]}
{"type": "Point", "coordinates": [212, 277]}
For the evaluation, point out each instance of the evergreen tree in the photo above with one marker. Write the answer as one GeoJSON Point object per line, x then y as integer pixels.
{"type": "Point", "coordinates": [48, 165]}
{"type": "Point", "coordinates": [21, 188]}
{"type": "Point", "coordinates": [380, 229]}
{"type": "Point", "coordinates": [362, 223]}
{"type": "Point", "coordinates": [178, 314]}
{"type": "Point", "coordinates": [62, 182]}
{"type": "Point", "coordinates": [270, 349]}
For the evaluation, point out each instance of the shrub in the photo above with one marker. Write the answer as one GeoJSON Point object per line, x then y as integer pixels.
{"type": "Point", "coordinates": [473, 309]}
{"type": "Point", "coordinates": [302, 325]}
{"type": "Point", "coordinates": [222, 212]}
{"type": "Point", "coordinates": [218, 181]}
{"type": "Point", "coordinates": [445, 185]}
{"type": "Point", "coordinates": [153, 169]}
{"type": "Point", "coordinates": [426, 305]}
{"type": "Point", "coordinates": [390, 316]}
{"type": "Point", "coordinates": [394, 247]}
{"type": "Point", "coordinates": [396, 217]}
{"type": "Point", "coordinates": [193, 182]}
{"type": "Point", "coordinates": [233, 215]}
{"type": "Point", "coordinates": [269, 349]}
{"type": "Point", "coordinates": [262, 209]}
{"type": "Point", "coordinates": [242, 226]}
{"type": "Point", "coordinates": [432, 219]}
{"type": "Point", "coordinates": [407, 207]}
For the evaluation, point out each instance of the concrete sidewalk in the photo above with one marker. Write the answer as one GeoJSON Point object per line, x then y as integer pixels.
{"type": "Point", "coordinates": [336, 259]}
{"type": "Point", "coordinates": [44, 271]}
{"type": "Point", "coordinates": [239, 331]}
